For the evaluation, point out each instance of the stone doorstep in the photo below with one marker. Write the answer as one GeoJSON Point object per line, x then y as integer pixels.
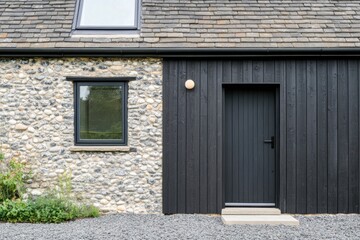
{"type": "Point", "coordinates": [259, 220]}
{"type": "Point", "coordinates": [250, 211]}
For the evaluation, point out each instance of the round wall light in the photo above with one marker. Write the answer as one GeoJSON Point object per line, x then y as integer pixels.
{"type": "Point", "coordinates": [189, 84]}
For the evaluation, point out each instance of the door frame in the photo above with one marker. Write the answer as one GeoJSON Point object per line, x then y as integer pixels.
{"type": "Point", "coordinates": [275, 87]}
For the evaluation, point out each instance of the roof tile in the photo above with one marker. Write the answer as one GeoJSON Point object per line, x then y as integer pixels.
{"type": "Point", "coordinates": [192, 23]}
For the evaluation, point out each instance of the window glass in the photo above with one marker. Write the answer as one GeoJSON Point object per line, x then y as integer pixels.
{"type": "Point", "coordinates": [108, 14]}
{"type": "Point", "coordinates": [100, 112]}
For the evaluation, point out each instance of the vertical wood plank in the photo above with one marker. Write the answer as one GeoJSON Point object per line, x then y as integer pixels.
{"type": "Point", "coordinates": [322, 128]}
{"type": "Point", "coordinates": [267, 151]}
{"type": "Point", "coordinates": [332, 132]}
{"type": "Point", "coordinates": [172, 141]}
{"type": "Point", "coordinates": [247, 147]}
{"type": "Point", "coordinates": [301, 136]}
{"type": "Point", "coordinates": [353, 136]}
{"type": "Point", "coordinates": [238, 116]}
{"type": "Point", "coordinates": [192, 148]}
{"type": "Point", "coordinates": [236, 71]}
{"type": "Point", "coordinates": [227, 66]}
{"type": "Point", "coordinates": [181, 129]}
{"type": "Point", "coordinates": [277, 146]}
{"type": "Point", "coordinates": [260, 137]}
{"type": "Point", "coordinates": [269, 72]}
{"type": "Point", "coordinates": [235, 153]}
{"type": "Point", "coordinates": [258, 71]}
{"type": "Point", "coordinates": [252, 140]}
{"type": "Point", "coordinates": [229, 142]}
{"type": "Point", "coordinates": [224, 74]}
{"type": "Point", "coordinates": [231, 184]}
{"type": "Point", "coordinates": [242, 138]}
{"type": "Point", "coordinates": [271, 95]}
{"type": "Point", "coordinates": [311, 141]}
{"type": "Point", "coordinates": [291, 136]}
{"type": "Point", "coordinates": [190, 142]}
{"type": "Point", "coordinates": [359, 134]}
{"type": "Point", "coordinates": [166, 136]}
{"type": "Point", "coordinates": [280, 76]}
{"type": "Point", "coordinates": [197, 125]}
{"type": "Point", "coordinates": [203, 137]}
{"type": "Point", "coordinates": [248, 71]}
{"type": "Point", "coordinates": [212, 136]}
{"type": "Point", "coordinates": [343, 137]}
{"type": "Point", "coordinates": [219, 143]}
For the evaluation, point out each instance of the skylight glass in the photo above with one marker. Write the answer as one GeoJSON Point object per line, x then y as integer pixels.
{"type": "Point", "coordinates": [108, 14]}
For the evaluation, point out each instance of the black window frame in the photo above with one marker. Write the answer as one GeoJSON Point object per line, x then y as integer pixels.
{"type": "Point", "coordinates": [94, 81]}
{"type": "Point", "coordinates": [136, 26]}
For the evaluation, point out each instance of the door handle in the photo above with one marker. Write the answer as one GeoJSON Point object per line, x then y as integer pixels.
{"type": "Point", "coordinates": [271, 141]}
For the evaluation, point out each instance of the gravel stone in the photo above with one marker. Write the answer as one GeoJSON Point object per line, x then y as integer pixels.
{"type": "Point", "coordinates": [132, 226]}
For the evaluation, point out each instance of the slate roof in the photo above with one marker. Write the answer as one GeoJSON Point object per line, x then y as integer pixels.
{"type": "Point", "coordinates": [192, 24]}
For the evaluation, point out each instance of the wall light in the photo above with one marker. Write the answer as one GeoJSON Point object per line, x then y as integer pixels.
{"type": "Point", "coordinates": [189, 84]}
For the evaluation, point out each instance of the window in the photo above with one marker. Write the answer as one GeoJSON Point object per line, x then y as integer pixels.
{"type": "Point", "coordinates": [100, 113]}
{"type": "Point", "coordinates": [108, 15]}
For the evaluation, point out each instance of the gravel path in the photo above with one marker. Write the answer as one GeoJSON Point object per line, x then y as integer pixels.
{"type": "Point", "coordinates": [184, 227]}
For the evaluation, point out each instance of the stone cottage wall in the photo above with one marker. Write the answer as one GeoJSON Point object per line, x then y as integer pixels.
{"type": "Point", "coordinates": [37, 126]}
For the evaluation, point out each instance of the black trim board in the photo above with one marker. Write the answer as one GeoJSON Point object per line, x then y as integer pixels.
{"type": "Point", "coordinates": [179, 52]}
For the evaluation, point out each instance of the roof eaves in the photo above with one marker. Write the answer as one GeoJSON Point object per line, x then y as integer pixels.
{"type": "Point", "coordinates": [176, 52]}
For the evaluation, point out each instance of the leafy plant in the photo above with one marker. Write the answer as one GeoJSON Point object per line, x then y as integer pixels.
{"type": "Point", "coordinates": [56, 206]}
{"type": "Point", "coordinates": [64, 187]}
{"type": "Point", "coordinates": [45, 209]}
{"type": "Point", "coordinates": [14, 211]}
{"type": "Point", "coordinates": [12, 179]}
{"type": "Point", "coordinates": [52, 209]}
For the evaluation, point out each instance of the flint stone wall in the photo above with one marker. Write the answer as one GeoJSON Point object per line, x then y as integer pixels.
{"type": "Point", "coordinates": [37, 126]}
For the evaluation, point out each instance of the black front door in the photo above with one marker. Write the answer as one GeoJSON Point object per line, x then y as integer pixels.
{"type": "Point", "coordinates": [250, 147]}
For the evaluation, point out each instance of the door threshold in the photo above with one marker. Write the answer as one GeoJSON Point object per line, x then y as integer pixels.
{"type": "Point", "coordinates": [249, 204]}
{"type": "Point", "coordinates": [250, 211]}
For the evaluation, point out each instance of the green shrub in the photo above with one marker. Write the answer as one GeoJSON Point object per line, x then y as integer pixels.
{"type": "Point", "coordinates": [12, 179]}
{"type": "Point", "coordinates": [45, 209]}
{"type": "Point", "coordinates": [13, 211]}
{"type": "Point", "coordinates": [54, 207]}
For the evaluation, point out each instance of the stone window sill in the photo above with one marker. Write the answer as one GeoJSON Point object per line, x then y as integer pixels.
{"type": "Point", "coordinates": [102, 149]}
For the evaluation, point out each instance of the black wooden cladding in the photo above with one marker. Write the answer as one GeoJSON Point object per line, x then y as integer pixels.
{"type": "Point", "coordinates": [319, 132]}
{"type": "Point", "coordinates": [192, 138]}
